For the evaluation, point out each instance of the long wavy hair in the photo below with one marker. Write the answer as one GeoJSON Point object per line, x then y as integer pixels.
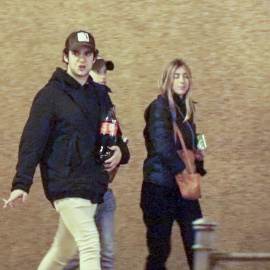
{"type": "Point", "coordinates": [165, 84]}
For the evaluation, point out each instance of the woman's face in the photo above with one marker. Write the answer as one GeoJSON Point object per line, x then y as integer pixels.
{"type": "Point", "coordinates": [180, 81]}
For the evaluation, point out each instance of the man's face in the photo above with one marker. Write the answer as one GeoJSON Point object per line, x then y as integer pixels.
{"type": "Point", "coordinates": [100, 75]}
{"type": "Point", "coordinates": [80, 62]}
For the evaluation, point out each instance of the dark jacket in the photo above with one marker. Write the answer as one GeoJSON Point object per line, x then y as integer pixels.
{"type": "Point", "coordinates": [163, 162]}
{"type": "Point", "coordinates": [61, 135]}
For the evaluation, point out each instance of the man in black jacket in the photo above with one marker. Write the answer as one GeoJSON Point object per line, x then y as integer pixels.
{"type": "Point", "coordinates": [104, 217]}
{"type": "Point", "coordinates": [61, 135]}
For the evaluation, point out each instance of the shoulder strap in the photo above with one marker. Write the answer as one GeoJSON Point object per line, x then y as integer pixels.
{"type": "Point", "coordinates": [178, 133]}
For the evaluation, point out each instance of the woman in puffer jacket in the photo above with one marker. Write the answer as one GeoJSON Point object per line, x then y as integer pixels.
{"type": "Point", "coordinates": [161, 200]}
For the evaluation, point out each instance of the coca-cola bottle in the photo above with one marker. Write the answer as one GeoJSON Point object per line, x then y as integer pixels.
{"type": "Point", "coordinates": [108, 135]}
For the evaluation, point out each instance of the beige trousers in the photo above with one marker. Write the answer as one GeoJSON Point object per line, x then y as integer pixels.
{"type": "Point", "coordinates": [76, 230]}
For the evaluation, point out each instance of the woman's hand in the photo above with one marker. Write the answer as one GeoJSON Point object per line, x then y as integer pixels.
{"type": "Point", "coordinates": [199, 154]}
{"type": "Point", "coordinates": [111, 163]}
{"type": "Point", "coordinates": [15, 194]}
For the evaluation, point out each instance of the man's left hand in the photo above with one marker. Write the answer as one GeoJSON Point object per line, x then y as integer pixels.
{"type": "Point", "coordinates": [111, 163]}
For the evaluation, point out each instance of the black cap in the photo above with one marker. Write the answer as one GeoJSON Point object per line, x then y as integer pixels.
{"type": "Point", "coordinates": [80, 38]}
{"type": "Point", "coordinates": [100, 62]}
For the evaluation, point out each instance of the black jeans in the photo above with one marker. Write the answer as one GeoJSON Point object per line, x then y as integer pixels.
{"type": "Point", "coordinates": [161, 207]}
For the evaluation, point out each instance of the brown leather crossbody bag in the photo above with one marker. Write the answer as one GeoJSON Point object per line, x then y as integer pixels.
{"type": "Point", "coordinates": [189, 182]}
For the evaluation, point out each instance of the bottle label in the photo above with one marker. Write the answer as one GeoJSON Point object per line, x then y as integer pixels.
{"type": "Point", "coordinates": [109, 129]}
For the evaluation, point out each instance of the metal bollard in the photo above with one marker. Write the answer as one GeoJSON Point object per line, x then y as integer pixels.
{"type": "Point", "coordinates": [204, 239]}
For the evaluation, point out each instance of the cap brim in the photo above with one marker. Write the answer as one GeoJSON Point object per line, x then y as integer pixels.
{"type": "Point", "coordinates": [80, 45]}
{"type": "Point", "coordinates": [109, 65]}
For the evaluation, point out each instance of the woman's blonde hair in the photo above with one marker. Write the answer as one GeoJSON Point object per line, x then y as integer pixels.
{"type": "Point", "coordinates": [165, 84]}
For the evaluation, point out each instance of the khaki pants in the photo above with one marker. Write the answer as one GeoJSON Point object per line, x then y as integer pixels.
{"type": "Point", "coordinates": [77, 230]}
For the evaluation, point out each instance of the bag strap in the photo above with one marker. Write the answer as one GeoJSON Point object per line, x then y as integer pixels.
{"type": "Point", "coordinates": [178, 133]}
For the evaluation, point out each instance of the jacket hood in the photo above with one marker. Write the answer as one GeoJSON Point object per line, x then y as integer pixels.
{"type": "Point", "coordinates": [61, 76]}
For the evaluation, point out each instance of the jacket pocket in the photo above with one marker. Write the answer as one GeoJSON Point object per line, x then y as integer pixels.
{"type": "Point", "coordinates": [65, 156]}
{"type": "Point", "coordinates": [73, 157]}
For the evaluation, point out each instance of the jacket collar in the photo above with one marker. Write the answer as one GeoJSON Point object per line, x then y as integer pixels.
{"type": "Point", "coordinates": [69, 83]}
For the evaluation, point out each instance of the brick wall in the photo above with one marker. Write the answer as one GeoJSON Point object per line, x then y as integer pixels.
{"type": "Point", "coordinates": [226, 44]}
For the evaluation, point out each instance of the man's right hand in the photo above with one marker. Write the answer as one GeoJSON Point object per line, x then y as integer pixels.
{"type": "Point", "coordinates": [15, 194]}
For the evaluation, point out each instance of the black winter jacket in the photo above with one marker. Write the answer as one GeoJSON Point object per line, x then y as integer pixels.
{"type": "Point", "coordinates": [61, 135]}
{"type": "Point", "coordinates": [163, 162]}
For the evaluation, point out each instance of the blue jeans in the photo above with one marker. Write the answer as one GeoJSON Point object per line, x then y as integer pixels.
{"type": "Point", "coordinates": [104, 219]}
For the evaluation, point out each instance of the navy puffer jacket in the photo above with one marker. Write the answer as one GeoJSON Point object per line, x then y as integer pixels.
{"type": "Point", "coordinates": [163, 162]}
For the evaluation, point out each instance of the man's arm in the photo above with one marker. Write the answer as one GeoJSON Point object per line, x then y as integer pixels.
{"type": "Point", "coordinates": [33, 141]}
{"type": "Point", "coordinates": [124, 149]}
